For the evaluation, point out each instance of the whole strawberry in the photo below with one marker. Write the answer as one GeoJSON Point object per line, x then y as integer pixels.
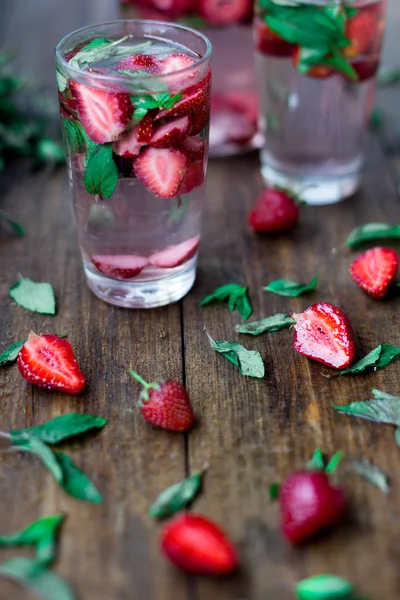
{"type": "Point", "coordinates": [165, 404]}
{"type": "Point", "coordinates": [309, 504]}
{"type": "Point", "coordinates": [197, 545]}
{"type": "Point", "coordinates": [274, 210]}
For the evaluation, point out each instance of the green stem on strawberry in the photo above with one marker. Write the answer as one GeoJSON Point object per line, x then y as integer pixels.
{"type": "Point", "coordinates": [147, 386]}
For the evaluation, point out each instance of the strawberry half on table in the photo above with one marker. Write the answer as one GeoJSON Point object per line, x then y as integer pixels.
{"type": "Point", "coordinates": [375, 270]}
{"type": "Point", "coordinates": [49, 362]}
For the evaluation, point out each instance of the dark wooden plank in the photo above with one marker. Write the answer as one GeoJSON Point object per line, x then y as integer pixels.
{"type": "Point", "coordinates": [254, 432]}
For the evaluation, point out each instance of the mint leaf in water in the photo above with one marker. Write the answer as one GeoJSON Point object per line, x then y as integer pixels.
{"type": "Point", "coordinates": [384, 408]}
{"type": "Point", "coordinates": [101, 173]}
{"type": "Point", "coordinates": [380, 357]}
{"type": "Point", "coordinates": [324, 587]}
{"type": "Point", "coordinates": [176, 497]}
{"type": "Point", "coordinates": [292, 289]}
{"type": "Point", "coordinates": [60, 428]}
{"type": "Point", "coordinates": [268, 325]}
{"type": "Point", "coordinates": [371, 232]}
{"type": "Point", "coordinates": [41, 534]}
{"type": "Point", "coordinates": [101, 49]}
{"type": "Point", "coordinates": [62, 81]}
{"type": "Point", "coordinates": [236, 297]}
{"type": "Point", "coordinates": [36, 297]}
{"type": "Point", "coordinates": [317, 462]}
{"type": "Point", "coordinates": [39, 449]}
{"type": "Point", "coordinates": [73, 138]}
{"type": "Point", "coordinates": [11, 353]}
{"type": "Point", "coordinates": [34, 576]}
{"type": "Point", "coordinates": [75, 482]}
{"type": "Point", "coordinates": [371, 473]}
{"type": "Point", "coordinates": [249, 362]}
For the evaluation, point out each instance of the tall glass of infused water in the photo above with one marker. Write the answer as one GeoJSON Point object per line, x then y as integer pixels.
{"type": "Point", "coordinates": [135, 110]}
{"type": "Point", "coordinates": [317, 62]}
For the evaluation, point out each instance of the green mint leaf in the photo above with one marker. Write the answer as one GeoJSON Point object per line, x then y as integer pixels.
{"type": "Point", "coordinates": [49, 151]}
{"type": "Point", "coordinates": [249, 362]}
{"type": "Point", "coordinates": [39, 449]}
{"type": "Point", "coordinates": [18, 230]}
{"type": "Point", "coordinates": [317, 462]}
{"type": "Point", "coordinates": [334, 463]}
{"type": "Point", "coordinates": [101, 173]}
{"type": "Point", "coordinates": [243, 306]}
{"type": "Point", "coordinates": [236, 297]}
{"type": "Point", "coordinates": [371, 232]}
{"type": "Point", "coordinates": [382, 409]}
{"type": "Point", "coordinates": [11, 353]}
{"type": "Point", "coordinates": [145, 101]}
{"type": "Point", "coordinates": [75, 482]}
{"type": "Point", "coordinates": [61, 428]}
{"type": "Point", "coordinates": [301, 33]}
{"type": "Point", "coordinates": [341, 64]}
{"type": "Point", "coordinates": [96, 50]}
{"type": "Point", "coordinates": [169, 103]}
{"type": "Point", "coordinates": [36, 297]}
{"type": "Point", "coordinates": [388, 76]}
{"type": "Point", "coordinates": [34, 576]}
{"type": "Point", "coordinates": [176, 497]}
{"type": "Point", "coordinates": [350, 11]}
{"type": "Point", "coordinates": [292, 289]}
{"type": "Point", "coordinates": [73, 137]}
{"type": "Point", "coordinates": [371, 473]}
{"type": "Point", "coordinates": [380, 357]}
{"type": "Point", "coordinates": [62, 81]}
{"type": "Point", "coordinates": [41, 534]}
{"type": "Point", "coordinates": [139, 114]}
{"type": "Point", "coordinates": [324, 587]}
{"type": "Point", "coordinates": [274, 490]}
{"type": "Point", "coordinates": [268, 325]}
{"type": "Point", "coordinates": [309, 57]}
{"type": "Point", "coordinates": [397, 436]}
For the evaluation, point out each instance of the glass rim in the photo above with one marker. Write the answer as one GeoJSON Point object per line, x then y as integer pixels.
{"type": "Point", "coordinates": [141, 78]}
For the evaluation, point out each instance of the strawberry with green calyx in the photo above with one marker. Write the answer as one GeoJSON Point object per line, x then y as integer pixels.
{"type": "Point", "coordinates": [165, 404]}
{"type": "Point", "coordinates": [275, 210]}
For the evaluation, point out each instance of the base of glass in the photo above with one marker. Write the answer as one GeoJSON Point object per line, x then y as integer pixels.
{"type": "Point", "coordinates": [315, 189]}
{"type": "Point", "coordinates": [146, 294]}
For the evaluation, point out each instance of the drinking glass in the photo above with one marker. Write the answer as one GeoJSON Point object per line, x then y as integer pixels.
{"type": "Point", "coordinates": [316, 101]}
{"type": "Point", "coordinates": [135, 108]}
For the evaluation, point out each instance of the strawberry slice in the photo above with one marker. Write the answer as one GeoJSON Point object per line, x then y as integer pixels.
{"type": "Point", "coordinates": [175, 255]}
{"type": "Point", "coordinates": [139, 62]}
{"type": "Point", "coordinates": [224, 12]}
{"type": "Point", "coordinates": [49, 362]}
{"type": "Point", "coordinates": [194, 177]}
{"type": "Point", "coordinates": [128, 144]}
{"type": "Point", "coordinates": [193, 102]}
{"type": "Point", "coordinates": [175, 63]}
{"type": "Point", "coordinates": [162, 170]}
{"type": "Point", "coordinates": [323, 332]}
{"type": "Point", "coordinates": [194, 148]}
{"type": "Point", "coordinates": [145, 129]}
{"type": "Point", "coordinates": [171, 133]}
{"type": "Point", "coordinates": [103, 115]}
{"type": "Point", "coordinates": [375, 270]}
{"type": "Point", "coordinates": [362, 31]}
{"type": "Point", "coordinates": [120, 266]}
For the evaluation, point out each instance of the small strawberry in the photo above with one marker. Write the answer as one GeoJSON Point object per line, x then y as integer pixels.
{"type": "Point", "coordinates": [139, 62]}
{"type": "Point", "coordinates": [362, 31]}
{"type": "Point", "coordinates": [374, 271]}
{"type": "Point", "coordinates": [176, 255]}
{"type": "Point", "coordinates": [224, 12]}
{"type": "Point", "coordinates": [165, 404]}
{"type": "Point", "coordinates": [323, 332]}
{"type": "Point", "coordinates": [124, 266]}
{"type": "Point", "coordinates": [316, 71]}
{"type": "Point", "coordinates": [309, 504]}
{"type": "Point", "coordinates": [275, 210]}
{"type": "Point", "coordinates": [270, 43]}
{"type": "Point", "coordinates": [128, 144]}
{"type": "Point", "coordinates": [197, 545]}
{"type": "Point", "coordinates": [171, 133]}
{"type": "Point", "coordinates": [162, 170]}
{"type": "Point", "coordinates": [175, 63]}
{"type": "Point", "coordinates": [145, 129]}
{"type": "Point", "coordinates": [49, 362]}
{"type": "Point", "coordinates": [103, 115]}
{"type": "Point", "coordinates": [194, 177]}
{"type": "Point", "coordinates": [194, 147]}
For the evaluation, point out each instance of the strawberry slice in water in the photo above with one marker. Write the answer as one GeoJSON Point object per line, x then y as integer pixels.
{"type": "Point", "coordinates": [194, 177]}
{"type": "Point", "coordinates": [139, 62]}
{"type": "Point", "coordinates": [224, 12]}
{"type": "Point", "coordinates": [174, 63]}
{"type": "Point", "coordinates": [128, 144]}
{"type": "Point", "coordinates": [162, 170]}
{"type": "Point", "coordinates": [103, 115]}
{"type": "Point", "coordinates": [176, 255]}
{"type": "Point", "coordinates": [190, 103]}
{"type": "Point", "coordinates": [270, 43]}
{"type": "Point", "coordinates": [120, 266]}
{"type": "Point", "coordinates": [145, 129]}
{"type": "Point", "coordinates": [171, 133]}
{"type": "Point", "coordinates": [194, 148]}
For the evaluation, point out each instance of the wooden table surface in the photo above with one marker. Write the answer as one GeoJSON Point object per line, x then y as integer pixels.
{"type": "Point", "coordinates": [251, 432]}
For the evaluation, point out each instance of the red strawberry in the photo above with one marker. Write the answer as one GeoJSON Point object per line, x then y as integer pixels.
{"type": "Point", "coordinates": [365, 68]}
{"type": "Point", "coordinates": [375, 270]}
{"type": "Point", "coordinates": [193, 102]}
{"type": "Point", "coordinates": [175, 62]}
{"type": "Point", "coordinates": [362, 31]}
{"type": "Point", "coordinates": [49, 362]}
{"type": "Point", "coordinates": [309, 504]}
{"type": "Point", "coordinates": [171, 133]}
{"type": "Point", "coordinates": [270, 43]}
{"type": "Point", "coordinates": [173, 8]}
{"type": "Point", "coordinates": [103, 115]}
{"type": "Point", "coordinates": [145, 129]}
{"type": "Point", "coordinates": [194, 177]}
{"type": "Point", "coordinates": [162, 170]}
{"type": "Point", "coordinates": [139, 62]}
{"type": "Point", "coordinates": [323, 333]}
{"type": "Point", "coordinates": [175, 255]}
{"type": "Point", "coordinates": [274, 211]}
{"type": "Point", "coordinates": [224, 12]}
{"type": "Point", "coordinates": [198, 546]}
{"type": "Point", "coordinates": [316, 71]}
{"type": "Point", "coordinates": [128, 144]}
{"type": "Point", "coordinates": [165, 404]}
{"type": "Point", "coordinates": [194, 147]}
{"type": "Point", "coordinates": [120, 266]}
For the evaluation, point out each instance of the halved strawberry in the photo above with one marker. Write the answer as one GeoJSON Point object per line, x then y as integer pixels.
{"type": "Point", "coordinates": [175, 255]}
{"type": "Point", "coordinates": [145, 129]}
{"type": "Point", "coordinates": [374, 271]}
{"type": "Point", "coordinates": [362, 31]}
{"type": "Point", "coordinates": [103, 115]}
{"type": "Point", "coordinates": [162, 170]}
{"type": "Point", "coordinates": [224, 12]}
{"type": "Point", "coordinates": [323, 333]}
{"type": "Point", "coordinates": [190, 103]}
{"type": "Point", "coordinates": [194, 148]}
{"type": "Point", "coordinates": [194, 177]}
{"type": "Point", "coordinates": [175, 62]}
{"type": "Point", "coordinates": [120, 266]}
{"type": "Point", "coordinates": [139, 62]}
{"type": "Point", "coordinates": [270, 43]}
{"type": "Point", "coordinates": [171, 133]}
{"type": "Point", "coordinates": [49, 362]}
{"type": "Point", "coordinates": [128, 144]}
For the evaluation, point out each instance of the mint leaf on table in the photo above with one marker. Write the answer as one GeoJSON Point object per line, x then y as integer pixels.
{"type": "Point", "coordinates": [11, 353]}
{"type": "Point", "coordinates": [371, 232]}
{"type": "Point", "coordinates": [101, 173]}
{"type": "Point", "coordinates": [236, 297]}
{"type": "Point", "coordinates": [274, 490]}
{"type": "Point", "coordinates": [371, 473]}
{"type": "Point", "coordinates": [75, 482]}
{"type": "Point", "coordinates": [268, 325]}
{"type": "Point", "coordinates": [292, 289]}
{"type": "Point", "coordinates": [383, 408]}
{"type": "Point", "coordinates": [317, 461]}
{"type": "Point", "coordinates": [324, 587]}
{"type": "Point", "coordinates": [41, 534]}
{"type": "Point", "coordinates": [35, 577]}
{"type": "Point", "coordinates": [39, 449]}
{"type": "Point", "coordinates": [18, 230]}
{"type": "Point", "coordinates": [60, 428]}
{"type": "Point", "coordinates": [36, 297]}
{"type": "Point", "coordinates": [380, 357]}
{"type": "Point", "coordinates": [176, 497]}
{"type": "Point", "coordinates": [249, 362]}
